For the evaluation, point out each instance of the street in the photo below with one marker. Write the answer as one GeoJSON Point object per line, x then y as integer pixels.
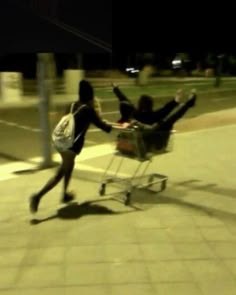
{"type": "Point", "coordinates": [21, 138]}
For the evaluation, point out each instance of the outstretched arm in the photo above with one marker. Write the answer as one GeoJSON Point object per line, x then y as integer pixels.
{"type": "Point", "coordinates": [143, 126]}
{"type": "Point", "coordinates": [120, 95]}
{"type": "Point", "coordinates": [126, 107]}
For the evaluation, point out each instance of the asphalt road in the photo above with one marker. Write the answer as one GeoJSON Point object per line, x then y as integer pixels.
{"type": "Point", "coordinates": [23, 139]}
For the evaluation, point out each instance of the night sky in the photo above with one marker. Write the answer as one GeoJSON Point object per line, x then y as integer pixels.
{"type": "Point", "coordinates": [22, 30]}
{"type": "Point", "coordinates": [138, 27]}
{"type": "Point", "coordinates": [91, 16]}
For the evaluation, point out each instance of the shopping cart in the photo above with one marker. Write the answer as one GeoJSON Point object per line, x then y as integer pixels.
{"type": "Point", "coordinates": [139, 145]}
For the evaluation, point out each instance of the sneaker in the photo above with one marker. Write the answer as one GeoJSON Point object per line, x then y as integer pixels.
{"type": "Point", "coordinates": [68, 197]}
{"type": "Point", "coordinates": [192, 101]}
{"type": "Point", "coordinates": [113, 85]}
{"type": "Point", "coordinates": [179, 95]}
{"type": "Point", "coordinates": [34, 203]}
{"type": "Point", "coordinates": [192, 98]}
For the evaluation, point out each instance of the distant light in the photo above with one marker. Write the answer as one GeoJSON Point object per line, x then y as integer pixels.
{"type": "Point", "coordinates": [134, 71]}
{"type": "Point", "coordinates": [129, 69]}
{"type": "Point", "coordinates": [176, 63]}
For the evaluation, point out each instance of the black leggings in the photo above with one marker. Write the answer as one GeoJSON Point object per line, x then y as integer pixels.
{"type": "Point", "coordinates": [128, 110]}
{"type": "Point", "coordinates": [159, 135]}
{"type": "Point", "coordinates": [168, 123]}
{"type": "Point", "coordinates": [64, 171]}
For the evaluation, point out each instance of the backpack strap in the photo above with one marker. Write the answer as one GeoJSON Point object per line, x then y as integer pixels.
{"type": "Point", "coordinates": [72, 107]}
{"type": "Point", "coordinates": [82, 106]}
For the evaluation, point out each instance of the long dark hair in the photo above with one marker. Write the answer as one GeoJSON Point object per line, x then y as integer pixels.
{"type": "Point", "coordinates": [145, 103]}
{"type": "Point", "coordinates": [86, 93]}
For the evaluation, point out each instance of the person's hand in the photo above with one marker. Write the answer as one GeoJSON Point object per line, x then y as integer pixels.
{"type": "Point", "coordinates": [121, 125]}
{"type": "Point", "coordinates": [125, 124]}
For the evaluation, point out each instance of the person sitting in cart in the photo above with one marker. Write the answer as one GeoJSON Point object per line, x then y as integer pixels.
{"type": "Point", "coordinates": [158, 122]}
{"type": "Point", "coordinates": [144, 112]}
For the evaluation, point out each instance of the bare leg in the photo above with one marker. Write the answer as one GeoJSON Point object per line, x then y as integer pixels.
{"type": "Point", "coordinates": [64, 170]}
{"type": "Point", "coordinates": [68, 166]}
{"type": "Point", "coordinates": [51, 183]}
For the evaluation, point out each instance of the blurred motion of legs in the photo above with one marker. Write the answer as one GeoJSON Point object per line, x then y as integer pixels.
{"type": "Point", "coordinates": [64, 171]}
{"type": "Point", "coordinates": [168, 123]}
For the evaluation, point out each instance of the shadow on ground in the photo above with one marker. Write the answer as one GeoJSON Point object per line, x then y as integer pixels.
{"type": "Point", "coordinates": [208, 187]}
{"type": "Point", "coordinates": [173, 196]}
{"type": "Point", "coordinates": [76, 211]}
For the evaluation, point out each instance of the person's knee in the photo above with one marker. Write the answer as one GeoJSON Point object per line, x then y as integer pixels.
{"type": "Point", "coordinates": [68, 165]}
{"type": "Point", "coordinates": [58, 176]}
{"type": "Point", "coordinates": [68, 159]}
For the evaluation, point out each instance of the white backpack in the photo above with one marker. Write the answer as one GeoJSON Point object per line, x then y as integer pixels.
{"type": "Point", "coordinates": [63, 135]}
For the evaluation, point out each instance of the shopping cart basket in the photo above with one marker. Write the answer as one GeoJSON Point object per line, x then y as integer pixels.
{"type": "Point", "coordinates": [139, 145]}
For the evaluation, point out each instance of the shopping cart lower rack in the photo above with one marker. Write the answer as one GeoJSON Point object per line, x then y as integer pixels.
{"type": "Point", "coordinates": [141, 146]}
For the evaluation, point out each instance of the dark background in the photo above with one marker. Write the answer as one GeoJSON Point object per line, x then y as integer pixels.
{"type": "Point", "coordinates": [27, 26]}
{"type": "Point", "coordinates": [122, 28]}
{"type": "Point", "coordinates": [126, 26]}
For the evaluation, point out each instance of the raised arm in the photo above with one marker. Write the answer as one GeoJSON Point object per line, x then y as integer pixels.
{"type": "Point", "coordinates": [120, 95]}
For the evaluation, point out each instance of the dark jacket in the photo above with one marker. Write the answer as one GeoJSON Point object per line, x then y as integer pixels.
{"type": "Point", "coordinates": [147, 117]}
{"type": "Point", "coordinates": [83, 118]}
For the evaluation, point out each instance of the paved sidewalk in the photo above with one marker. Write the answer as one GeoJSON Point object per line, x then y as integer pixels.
{"type": "Point", "coordinates": [182, 241]}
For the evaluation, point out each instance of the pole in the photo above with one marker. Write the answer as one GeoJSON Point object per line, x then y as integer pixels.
{"type": "Point", "coordinates": [44, 90]}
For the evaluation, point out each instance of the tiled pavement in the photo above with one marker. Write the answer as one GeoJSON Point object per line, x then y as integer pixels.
{"type": "Point", "coordinates": [183, 240]}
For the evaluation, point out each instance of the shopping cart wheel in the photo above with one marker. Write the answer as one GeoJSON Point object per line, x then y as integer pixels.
{"type": "Point", "coordinates": [102, 189]}
{"type": "Point", "coordinates": [127, 198]}
{"type": "Point", "coordinates": [163, 185]}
